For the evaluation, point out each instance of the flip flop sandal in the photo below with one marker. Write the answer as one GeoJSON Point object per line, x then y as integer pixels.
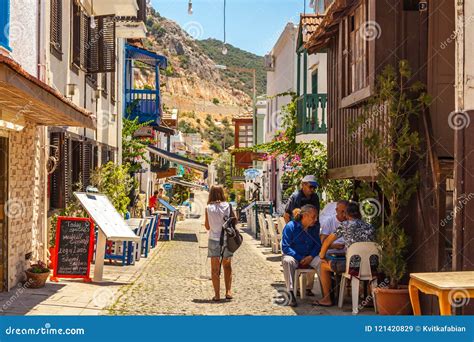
{"type": "Point", "coordinates": [215, 299]}
{"type": "Point", "coordinates": [228, 297]}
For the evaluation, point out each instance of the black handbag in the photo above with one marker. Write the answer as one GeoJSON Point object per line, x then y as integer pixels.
{"type": "Point", "coordinates": [231, 234]}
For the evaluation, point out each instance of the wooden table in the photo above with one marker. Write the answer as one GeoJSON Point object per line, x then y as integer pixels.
{"type": "Point", "coordinates": [447, 286]}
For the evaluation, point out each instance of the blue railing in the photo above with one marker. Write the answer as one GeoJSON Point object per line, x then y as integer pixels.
{"type": "Point", "coordinates": [144, 104]}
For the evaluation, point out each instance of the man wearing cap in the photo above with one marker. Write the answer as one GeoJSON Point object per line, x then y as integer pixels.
{"type": "Point", "coordinates": [306, 195]}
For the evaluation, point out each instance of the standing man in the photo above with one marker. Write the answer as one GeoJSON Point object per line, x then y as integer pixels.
{"type": "Point", "coordinates": [306, 195]}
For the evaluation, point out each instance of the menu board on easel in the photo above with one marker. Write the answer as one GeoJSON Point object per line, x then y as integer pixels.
{"type": "Point", "coordinates": [74, 248]}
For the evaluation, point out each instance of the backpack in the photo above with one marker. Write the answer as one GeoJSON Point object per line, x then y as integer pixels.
{"type": "Point", "coordinates": [234, 238]}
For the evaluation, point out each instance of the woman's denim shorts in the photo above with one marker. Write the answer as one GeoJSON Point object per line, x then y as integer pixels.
{"type": "Point", "coordinates": [214, 250]}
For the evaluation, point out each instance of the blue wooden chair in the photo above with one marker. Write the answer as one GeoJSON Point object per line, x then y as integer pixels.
{"type": "Point", "coordinates": [146, 239]}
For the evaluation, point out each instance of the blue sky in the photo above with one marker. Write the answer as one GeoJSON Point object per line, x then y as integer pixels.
{"type": "Point", "coordinates": [252, 25]}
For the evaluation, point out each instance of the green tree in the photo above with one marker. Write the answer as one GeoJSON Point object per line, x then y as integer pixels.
{"type": "Point", "coordinates": [114, 181]}
{"type": "Point", "coordinates": [133, 149]}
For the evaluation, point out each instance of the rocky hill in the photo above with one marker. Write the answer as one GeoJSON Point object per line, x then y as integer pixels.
{"type": "Point", "coordinates": [207, 98]}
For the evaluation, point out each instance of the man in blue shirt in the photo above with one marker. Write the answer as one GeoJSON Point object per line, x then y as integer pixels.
{"type": "Point", "coordinates": [306, 195]}
{"type": "Point", "coordinates": [301, 246]}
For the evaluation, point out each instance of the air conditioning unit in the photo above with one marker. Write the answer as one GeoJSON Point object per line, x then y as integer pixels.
{"type": "Point", "coordinates": [269, 62]}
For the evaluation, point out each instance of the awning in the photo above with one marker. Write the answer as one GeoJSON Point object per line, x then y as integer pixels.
{"type": "Point", "coordinates": [146, 56]}
{"type": "Point", "coordinates": [177, 180]}
{"type": "Point", "coordinates": [23, 98]}
{"type": "Point", "coordinates": [176, 158]}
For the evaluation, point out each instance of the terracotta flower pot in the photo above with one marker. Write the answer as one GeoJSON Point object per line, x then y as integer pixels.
{"type": "Point", "coordinates": [35, 280]}
{"type": "Point", "coordinates": [393, 301]}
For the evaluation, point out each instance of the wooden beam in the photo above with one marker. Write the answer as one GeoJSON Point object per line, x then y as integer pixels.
{"type": "Point", "coordinates": [360, 172]}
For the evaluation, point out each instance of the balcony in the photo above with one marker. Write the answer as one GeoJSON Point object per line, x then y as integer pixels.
{"type": "Point", "coordinates": [143, 103]}
{"type": "Point", "coordinates": [311, 114]}
{"type": "Point", "coordinates": [133, 27]}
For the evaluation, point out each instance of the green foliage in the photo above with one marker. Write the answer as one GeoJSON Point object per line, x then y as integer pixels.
{"type": "Point", "coordinates": [73, 209]}
{"type": "Point", "coordinates": [215, 101]}
{"type": "Point", "coordinates": [204, 159]}
{"type": "Point", "coordinates": [133, 149]}
{"type": "Point", "coordinates": [302, 158]}
{"type": "Point", "coordinates": [240, 59]}
{"type": "Point", "coordinates": [186, 127]}
{"type": "Point", "coordinates": [182, 193]}
{"type": "Point", "coordinates": [169, 71]}
{"type": "Point", "coordinates": [114, 181]}
{"type": "Point", "coordinates": [393, 145]}
{"type": "Point", "coordinates": [222, 165]}
{"type": "Point", "coordinates": [216, 147]}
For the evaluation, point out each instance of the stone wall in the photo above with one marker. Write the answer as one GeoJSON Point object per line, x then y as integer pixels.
{"type": "Point", "coordinates": [25, 208]}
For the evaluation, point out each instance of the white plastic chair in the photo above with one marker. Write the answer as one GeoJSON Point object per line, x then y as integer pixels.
{"type": "Point", "coordinates": [273, 232]}
{"type": "Point", "coordinates": [364, 250]}
{"type": "Point", "coordinates": [263, 229]}
{"type": "Point", "coordinates": [301, 280]}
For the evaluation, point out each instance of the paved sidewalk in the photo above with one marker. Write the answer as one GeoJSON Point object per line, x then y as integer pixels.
{"type": "Point", "coordinates": [173, 280]}
{"type": "Point", "coordinates": [176, 281]}
{"type": "Point", "coordinates": [71, 297]}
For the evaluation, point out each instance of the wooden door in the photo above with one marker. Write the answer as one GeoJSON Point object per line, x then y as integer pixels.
{"type": "Point", "coordinates": [441, 73]}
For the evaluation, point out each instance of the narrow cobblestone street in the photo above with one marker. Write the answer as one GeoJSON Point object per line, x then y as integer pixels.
{"type": "Point", "coordinates": [176, 281]}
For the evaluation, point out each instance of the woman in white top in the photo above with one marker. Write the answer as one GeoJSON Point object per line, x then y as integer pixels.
{"type": "Point", "coordinates": [216, 211]}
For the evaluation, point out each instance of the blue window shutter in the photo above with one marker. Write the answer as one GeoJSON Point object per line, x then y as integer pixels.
{"type": "Point", "coordinates": [5, 24]}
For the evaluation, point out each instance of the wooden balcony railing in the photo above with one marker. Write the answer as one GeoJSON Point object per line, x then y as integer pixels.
{"type": "Point", "coordinates": [144, 104]}
{"type": "Point", "coordinates": [311, 114]}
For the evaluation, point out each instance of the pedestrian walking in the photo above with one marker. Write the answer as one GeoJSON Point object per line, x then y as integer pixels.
{"type": "Point", "coordinates": [217, 210]}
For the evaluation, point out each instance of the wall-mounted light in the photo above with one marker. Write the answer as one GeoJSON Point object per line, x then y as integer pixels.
{"type": "Point", "coordinates": [71, 89]}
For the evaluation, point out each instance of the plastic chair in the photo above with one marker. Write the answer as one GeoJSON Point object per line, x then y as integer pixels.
{"type": "Point", "coordinates": [301, 280]}
{"type": "Point", "coordinates": [146, 239]}
{"type": "Point", "coordinates": [263, 230]}
{"type": "Point", "coordinates": [364, 250]}
{"type": "Point", "coordinates": [274, 236]}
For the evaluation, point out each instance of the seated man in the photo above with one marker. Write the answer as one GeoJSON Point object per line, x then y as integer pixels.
{"type": "Point", "coordinates": [352, 230]}
{"type": "Point", "coordinates": [330, 223]}
{"type": "Point", "coordinates": [301, 245]}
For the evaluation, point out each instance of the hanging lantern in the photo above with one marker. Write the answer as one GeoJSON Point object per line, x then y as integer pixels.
{"type": "Point", "coordinates": [190, 7]}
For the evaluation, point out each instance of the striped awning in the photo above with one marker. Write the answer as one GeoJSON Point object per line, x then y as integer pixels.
{"type": "Point", "coordinates": [176, 158]}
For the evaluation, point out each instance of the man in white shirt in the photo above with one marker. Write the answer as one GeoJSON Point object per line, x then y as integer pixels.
{"type": "Point", "coordinates": [330, 223]}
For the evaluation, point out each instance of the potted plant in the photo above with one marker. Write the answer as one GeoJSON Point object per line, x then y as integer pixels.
{"type": "Point", "coordinates": [37, 275]}
{"type": "Point", "coordinates": [393, 144]}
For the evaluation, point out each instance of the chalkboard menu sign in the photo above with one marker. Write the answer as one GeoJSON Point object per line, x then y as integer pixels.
{"type": "Point", "coordinates": [74, 247]}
